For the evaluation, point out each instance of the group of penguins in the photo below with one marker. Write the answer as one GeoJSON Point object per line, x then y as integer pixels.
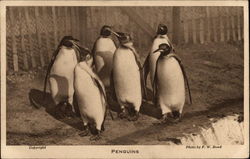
{"type": "Point", "coordinates": [77, 74]}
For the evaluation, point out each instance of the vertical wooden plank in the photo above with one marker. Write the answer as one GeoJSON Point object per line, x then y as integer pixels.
{"type": "Point", "coordinates": [176, 22]}
{"type": "Point", "coordinates": [83, 23]}
{"type": "Point", "coordinates": [39, 38]}
{"type": "Point", "coordinates": [233, 27]}
{"type": "Point", "coordinates": [90, 33]}
{"type": "Point", "coordinates": [171, 23]}
{"type": "Point", "coordinates": [66, 20]}
{"type": "Point", "coordinates": [54, 25]}
{"type": "Point", "coordinates": [202, 30]}
{"type": "Point", "coordinates": [228, 23]}
{"type": "Point", "coordinates": [31, 47]}
{"type": "Point", "coordinates": [47, 34]}
{"type": "Point", "coordinates": [194, 31]}
{"type": "Point", "coordinates": [186, 30]}
{"type": "Point", "coordinates": [222, 28]}
{"type": "Point", "coordinates": [13, 38]}
{"type": "Point", "coordinates": [58, 20]}
{"type": "Point", "coordinates": [208, 39]}
{"type": "Point", "coordinates": [215, 31]}
{"type": "Point", "coordinates": [72, 17]}
{"type": "Point", "coordinates": [238, 23]}
{"type": "Point", "coordinates": [61, 23]}
{"type": "Point", "coordinates": [23, 50]}
{"type": "Point", "coordinates": [77, 28]}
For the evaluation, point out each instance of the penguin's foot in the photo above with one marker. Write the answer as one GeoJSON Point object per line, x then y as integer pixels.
{"type": "Point", "coordinates": [134, 117]}
{"type": "Point", "coordinates": [164, 118]}
{"type": "Point", "coordinates": [176, 120]}
{"type": "Point", "coordinates": [102, 128]}
{"type": "Point", "coordinates": [96, 137]}
{"type": "Point", "coordinates": [123, 114]}
{"type": "Point", "coordinates": [176, 117]}
{"type": "Point", "coordinates": [85, 132]}
{"type": "Point", "coordinates": [69, 111]}
{"type": "Point", "coordinates": [59, 115]}
{"type": "Point", "coordinates": [64, 109]}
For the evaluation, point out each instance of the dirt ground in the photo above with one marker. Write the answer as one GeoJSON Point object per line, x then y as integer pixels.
{"type": "Point", "coordinates": [215, 74]}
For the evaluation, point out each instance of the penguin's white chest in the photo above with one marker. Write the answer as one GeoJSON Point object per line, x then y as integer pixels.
{"type": "Point", "coordinates": [90, 99]}
{"type": "Point", "coordinates": [105, 49]}
{"type": "Point", "coordinates": [126, 76]}
{"type": "Point", "coordinates": [152, 64]}
{"type": "Point", "coordinates": [154, 56]}
{"type": "Point", "coordinates": [65, 62]}
{"type": "Point", "coordinates": [62, 75]}
{"type": "Point", "coordinates": [171, 86]}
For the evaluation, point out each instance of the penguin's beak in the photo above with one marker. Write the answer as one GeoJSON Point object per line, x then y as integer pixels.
{"type": "Point", "coordinates": [157, 50]}
{"type": "Point", "coordinates": [113, 32]}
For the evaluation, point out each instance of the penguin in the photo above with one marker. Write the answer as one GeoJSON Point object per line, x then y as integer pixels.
{"type": "Point", "coordinates": [60, 73]}
{"type": "Point", "coordinates": [126, 78]}
{"type": "Point", "coordinates": [150, 62]}
{"type": "Point", "coordinates": [103, 51]}
{"type": "Point", "coordinates": [91, 98]}
{"type": "Point", "coordinates": [169, 83]}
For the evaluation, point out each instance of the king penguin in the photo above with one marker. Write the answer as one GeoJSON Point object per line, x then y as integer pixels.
{"type": "Point", "coordinates": [150, 62]}
{"type": "Point", "coordinates": [103, 51]}
{"type": "Point", "coordinates": [126, 78]}
{"type": "Point", "coordinates": [169, 83]}
{"type": "Point", "coordinates": [60, 73]}
{"type": "Point", "coordinates": [91, 98]}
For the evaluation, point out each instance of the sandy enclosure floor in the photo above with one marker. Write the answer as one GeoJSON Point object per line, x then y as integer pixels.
{"type": "Point", "coordinates": [216, 79]}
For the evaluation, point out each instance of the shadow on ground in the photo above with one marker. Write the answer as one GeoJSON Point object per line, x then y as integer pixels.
{"type": "Point", "coordinates": [189, 121]}
{"type": "Point", "coordinates": [38, 101]}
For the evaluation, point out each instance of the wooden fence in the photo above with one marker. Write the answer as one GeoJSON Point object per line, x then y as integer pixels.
{"type": "Point", "coordinates": [219, 24]}
{"type": "Point", "coordinates": [33, 33]}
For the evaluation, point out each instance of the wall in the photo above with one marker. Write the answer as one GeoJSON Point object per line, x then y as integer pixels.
{"type": "Point", "coordinates": [33, 33]}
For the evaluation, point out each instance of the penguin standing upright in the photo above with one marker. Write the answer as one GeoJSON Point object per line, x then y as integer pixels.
{"type": "Point", "coordinates": [150, 62]}
{"type": "Point", "coordinates": [126, 78]}
{"type": "Point", "coordinates": [91, 98]}
{"type": "Point", "coordinates": [61, 73]}
{"type": "Point", "coordinates": [103, 51]}
{"type": "Point", "coordinates": [169, 83]}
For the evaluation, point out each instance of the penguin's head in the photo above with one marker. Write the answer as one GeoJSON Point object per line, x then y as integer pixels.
{"type": "Point", "coordinates": [162, 29]}
{"type": "Point", "coordinates": [164, 48]}
{"type": "Point", "coordinates": [66, 41]}
{"type": "Point", "coordinates": [123, 37]}
{"type": "Point", "coordinates": [106, 31]}
{"type": "Point", "coordinates": [85, 55]}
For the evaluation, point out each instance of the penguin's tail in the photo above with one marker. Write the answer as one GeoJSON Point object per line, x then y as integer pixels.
{"type": "Point", "coordinates": [33, 102]}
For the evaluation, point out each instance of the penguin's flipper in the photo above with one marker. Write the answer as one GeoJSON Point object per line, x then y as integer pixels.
{"type": "Point", "coordinates": [145, 73]}
{"type": "Point", "coordinates": [143, 85]}
{"type": "Point", "coordinates": [136, 55]}
{"type": "Point", "coordinates": [155, 89]}
{"type": "Point", "coordinates": [146, 68]}
{"type": "Point", "coordinates": [112, 87]}
{"type": "Point", "coordinates": [184, 74]}
{"type": "Point", "coordinates": [102, 90]}
{"type": "Point", "coordinates": [49, 69]}
{"type": "Point", "coordinates": [187, 83]}
{"type": "Point", "coordinates": [155, 84]}
{"type": "Point", "coordinates": [93, 52]}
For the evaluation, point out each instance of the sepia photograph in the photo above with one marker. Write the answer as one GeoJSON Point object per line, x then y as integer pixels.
{"type": "Point", "coordinates": [124, 79]}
